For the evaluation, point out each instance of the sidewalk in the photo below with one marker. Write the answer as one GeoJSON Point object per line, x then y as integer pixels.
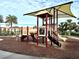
{"type": "Point", "coordinates": [9, 55]}
{"type": "Point", "coordinates": [73, 37]}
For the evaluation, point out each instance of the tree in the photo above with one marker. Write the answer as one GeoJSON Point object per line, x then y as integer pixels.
{"type": "Point", "coordinates": [34, 27]}
{"type": "Point", "coordinates": [11, 19]}
{"type": "Point", "coordinates": [78, 23]}
{"type": "Point", "coordinates": [68, 25]}
{"type": "Point", "coordinates": [61, 26]}
{"type": "Point", "coordinates": [65, 26]}
{"type": "Point", "coordinates": [1, 21]}
{"type": "Point", "coordinates": [77, 27]}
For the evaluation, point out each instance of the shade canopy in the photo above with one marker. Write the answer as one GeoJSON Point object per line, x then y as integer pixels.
{"type": "Point", "coordinates": [62, 9]}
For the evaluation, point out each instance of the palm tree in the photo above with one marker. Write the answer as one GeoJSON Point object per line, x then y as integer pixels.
{"type": "Point", "coordinates": [68, 25]}
{"type": "Point", "coordinates": [78, 23]}
{"type": "Point", "coordinates": [1, 21]}
{"type": "Point", "coordinates": [11, 19]}
{"type": "Point", "coordinates": [61, 26]}
{"type": "Point", "coordinates": [77, 27]}
{"type": "Point", "coordinates": [71, 25]}
{"type": "Point", "coordinates": [69, 22]}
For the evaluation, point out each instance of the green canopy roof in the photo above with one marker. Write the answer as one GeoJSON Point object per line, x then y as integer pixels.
{"type": "Point", "coordinates": [63, 11]}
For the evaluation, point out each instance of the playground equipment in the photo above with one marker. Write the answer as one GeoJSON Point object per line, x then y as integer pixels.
{"type": "Point", "coordinates": [52, 39]}
{"type": "Point", "coordinates": [62, 38]}
{"type": "Point", "coordinates": [51, 15]}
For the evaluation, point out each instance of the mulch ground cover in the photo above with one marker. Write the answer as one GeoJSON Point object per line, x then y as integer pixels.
{"type": "Point", "coordinates": [68, 50]}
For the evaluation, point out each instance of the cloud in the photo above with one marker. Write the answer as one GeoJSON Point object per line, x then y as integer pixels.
{"type": "Point", "coordinates": [19, 7]}
{"type": "Point", "coordinates": [24, 6]}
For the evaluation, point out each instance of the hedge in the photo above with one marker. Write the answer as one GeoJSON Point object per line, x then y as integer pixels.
{"type": "Point", "coordinates": [75, 34]}
{"type": "Point", "coordinates": [72, 33]}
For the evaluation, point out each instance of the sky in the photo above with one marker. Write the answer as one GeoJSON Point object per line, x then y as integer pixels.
{"type": "Point", "coordinates": [20, 7]}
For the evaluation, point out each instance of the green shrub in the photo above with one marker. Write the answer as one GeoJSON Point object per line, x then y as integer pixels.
{"type": "Point", "coordinates": [64, 33]}
{"type": "Point", "coordinates": [75, 34]}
